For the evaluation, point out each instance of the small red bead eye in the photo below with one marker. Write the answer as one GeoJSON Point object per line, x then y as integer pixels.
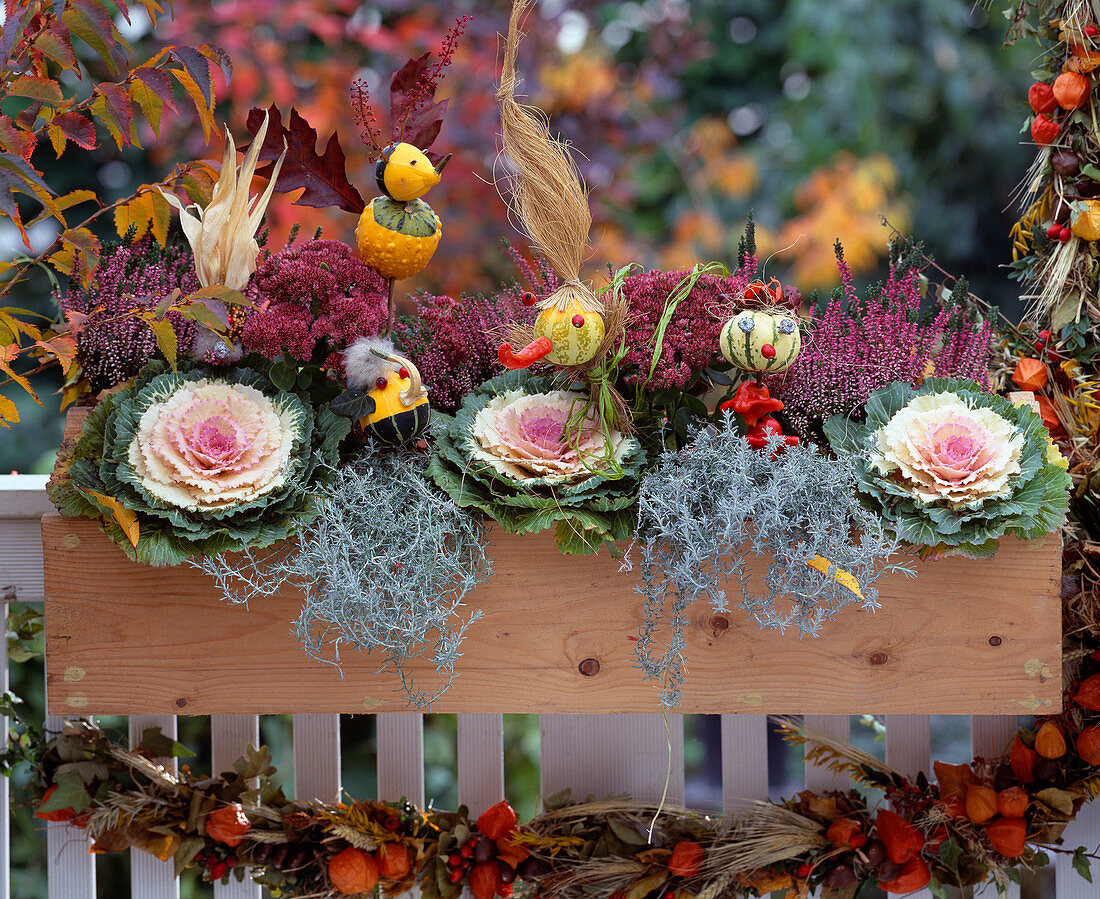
{"type": "Point", "coordinates": [528, 298]}
{"type": "Point", "coordinates": [403, 372]}
{"type": "Point", "coordinates": [381, 383]}
{"type": "Point", "coordinates": [767, 351]}
{"type": "Point", "coordinates": [578, 320]}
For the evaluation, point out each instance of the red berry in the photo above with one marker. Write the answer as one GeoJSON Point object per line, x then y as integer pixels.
{"type": "Point", "coordinates": [767, 351]}
{"type": "Point", "coordinates": [1044, 335]}
{"type": "Point", "coordinates": [1091, 30]}
{"type": "Point", "coordinates": [456, 875]}
{"type": "Point", "coordinates": [402, 372]}
{"type": "Point", "coordinates": [1054, 230]}
{"type": "Point", "coordinates": [391, 823]}
{"type": "Point", "coordinates": [381, 383]}
{"type": "Point", "coordinates": [1064, 235]}
{"type": "Point", "coordinates": [578, 320]}
{"type": "Point", "coordinates": [466, 851]}
{"type": "Point", "coordinates": [804, 871]}
{"type": "Point", "coordinates": [528, 298]}
{"type": "Point", "coordinates": [454, 860]}
{"type": "Point", "coordinates": [231, 860]}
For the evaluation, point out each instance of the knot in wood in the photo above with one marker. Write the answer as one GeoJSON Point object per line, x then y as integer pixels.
{"type": "Point", "coordinates": [589, 667]}
{"type": "Point", "coordinates": [994, 640]}
{"type": "Point", "coordinates": [181, 702]}
{"type": "Point", "coordinates": [719, 622]}
{"type": "Point", "coordinates": [878, 658]}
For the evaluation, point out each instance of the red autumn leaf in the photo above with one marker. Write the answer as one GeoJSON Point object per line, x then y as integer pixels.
{"type": "Point", "coordinates": [45, 89]}
{"type": "Point", "coordinates": [15, 140]}
{"type": "Point", "coordinates": [76, 128]}
{"type": "Point", "coordinates": [56, 44]}
{"type": "Point", "coordinates": [198, 67]}
{"type": "Point", "coordinates": [903, 841]}
{"type": "Point", "coordinates": [416, 117]}
{"type": "Point", "coordinates": [406, 88]}
{"type": "Point", "coordinates": [324, 177]}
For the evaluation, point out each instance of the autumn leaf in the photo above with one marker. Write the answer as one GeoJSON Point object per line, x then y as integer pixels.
{"type": "Point", "coordinates": [324, 177]}
{"type": "Point", "coordinates": [111, 105]}
{"type": "Point", "coordinates": [166, 340]}
{"type": "Point", "coordinates": [136, 214]}
{"type": "Point", "coordinates": [205, 111]}
{"type": "Point", "coordinates": [62, 347]}
{"type": "Point", "coordinates": [122, 516]}
{"type": "Point", "coordinates": [44, 89]}
{"type": "Point", "coordinates": [151, 89]}
{"type": "Point", "coordinates": [9, 412]}
{"type": "Point", "coordinates": [15, 140]}
{"type": "Point", "coordinates": [77, 128]}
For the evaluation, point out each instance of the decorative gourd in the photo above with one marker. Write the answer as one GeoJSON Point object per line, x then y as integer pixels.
{"type": "Point", "coordinates": [401, 410]}
{"type": "Point", "coordinates": [756, 340]}
{"type": "Point", "coordinates": [353, 871]}
{"type": "Point", "coordinates": [575, 331]}
{"type": "Point", "coordinates": [398, 239]}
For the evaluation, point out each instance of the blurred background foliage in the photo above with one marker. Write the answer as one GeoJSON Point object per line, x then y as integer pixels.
{"type": "Point", "coordinates": [822, 118]}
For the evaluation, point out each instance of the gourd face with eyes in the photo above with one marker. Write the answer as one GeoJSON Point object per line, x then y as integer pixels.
{"type": "Point", "coordinates": [761, 341]}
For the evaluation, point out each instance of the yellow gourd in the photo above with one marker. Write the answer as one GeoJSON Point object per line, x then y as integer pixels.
{"type": "Point", "coordinates": [575, 331]}
{"type": "Point", "coordinates": [757, 340]}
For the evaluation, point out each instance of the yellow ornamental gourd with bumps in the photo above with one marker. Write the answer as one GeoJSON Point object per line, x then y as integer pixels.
{"type": "Point", "coordinates": [398, 233]}
{"type": "Point", "coordinates": [575, 332]}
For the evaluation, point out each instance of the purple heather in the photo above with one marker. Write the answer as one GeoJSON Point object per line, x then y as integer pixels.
{"type": "Point", "coordinates": [113, 344]}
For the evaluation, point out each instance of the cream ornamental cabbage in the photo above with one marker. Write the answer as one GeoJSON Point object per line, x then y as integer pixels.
{"type": "Point", "coordinates": [207, 463]}
{"type": "Point", "coordinates": [953, 468]}
{"type": "Point", "coordinates": [947, 451]}
{"type": "Point", "coordinates": [522, 435]}
{"type": "Point", "coordinates": [222, 235]}
{"type": "Point", "coordinates": [211, 445]}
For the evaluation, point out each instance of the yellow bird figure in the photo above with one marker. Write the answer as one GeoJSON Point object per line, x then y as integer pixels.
{"type": "Point", "coordinates": [405, 173]}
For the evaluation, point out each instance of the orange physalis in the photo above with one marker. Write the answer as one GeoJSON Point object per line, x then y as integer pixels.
{"type": "Point", "coordinates": [903, 841]}
{"type": "Point", "coordinates": [228, 824]}
{"type": "Point", "coordinates": [687, 859]}
{"type": "Point", "coordinates": [1030, 374]}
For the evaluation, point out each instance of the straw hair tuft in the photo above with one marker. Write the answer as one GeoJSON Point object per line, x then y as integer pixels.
{"type": "Point", "coordinates": [547, 195]}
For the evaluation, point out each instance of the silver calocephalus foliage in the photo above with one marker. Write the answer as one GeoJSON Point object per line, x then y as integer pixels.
{"type": "Point", "coordinates": [384, 567]}
{"type": "Point", "coordinates": [705, 509]}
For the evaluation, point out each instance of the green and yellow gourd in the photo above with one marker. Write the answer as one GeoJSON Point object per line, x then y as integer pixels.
{"type": "Point", "coordinates": [573, 328]}
{"type": "Point", "coordinates": [758, 340]}
{"type": "Point", "coordinates": [398, 233]}
{"type": "Point", "coordinates": [401, 410]}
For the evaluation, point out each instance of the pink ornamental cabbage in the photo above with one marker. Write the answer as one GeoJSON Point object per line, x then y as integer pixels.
{"type": "Point", "coordinates": [211, 445]}
{"type": "Point", "coordinates": [944, 451]}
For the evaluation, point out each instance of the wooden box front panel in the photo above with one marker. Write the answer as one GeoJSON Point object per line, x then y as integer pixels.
{"type": "Point", "coordinates": [961, 638]}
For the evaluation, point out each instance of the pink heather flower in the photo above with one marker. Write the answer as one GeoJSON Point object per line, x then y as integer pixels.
{"type": "Point", "coordinates": [313, 299]}
{"type": "Point", "coordinates": [114, 344]}
{"type": "Point", "coordinates": [691, 337]}
{"type": "Point", "coordinates": [453, 342]}
{"type": "Point", "coordinates": [858, 345]}
{"type": "Point", "coordinates": [211, 445]}
{"type": "Point", "coordinates": [523, 436]}
{"type": "Point", "coordinates": [944, 451]}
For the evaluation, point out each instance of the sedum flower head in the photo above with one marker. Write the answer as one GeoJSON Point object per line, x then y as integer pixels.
{"type": "Point", "coordinates": [222, 235]}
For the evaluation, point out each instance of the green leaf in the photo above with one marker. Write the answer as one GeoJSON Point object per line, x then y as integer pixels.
{"type": "Point", "coordinates": [1081, 863]}
{"type": "Point", "coordinates": [70, 793]}
{"type": "Point", "coordinates": [163, 747]}
{"type": "Point", "coordinates": [222, 294]}
{"type": "Point", "coordinates": [283, 375]}
{"type": "Point", "coordinates": [937, 889]}
{"type": "Point", "coordinates": [353, 404]}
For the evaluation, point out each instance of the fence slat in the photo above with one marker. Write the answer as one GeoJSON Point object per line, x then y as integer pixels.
{"type": "Point", "coordinates": [602, 754]}
{"type": "Point", "coordinates": [819, 778]}
{"type": "Point", "coordinates": [401, 757]}
{"type": "Point", "coordinates": [1085, 831]}
{"type": "Point", "coordinates": [909, 751]}
{"type": "Point", "coordinates": [5, 816]}
{"type": "Point", "coordinates": [317, 757]}
{"type": "Point", "coordinates": [70, 868]}
{"type": "Point", "coordinates": [990, 736]}
{"type": "Point", "coordinates": [744, 760]}
{"type": "Point", "coordinates": [230, 736]}
{"type": "Point", "coordinates": [480, 761]}
{"type": "Point", "coordinates": [22, 503]}
{"type": "Point", "coordinates": [151, 878]}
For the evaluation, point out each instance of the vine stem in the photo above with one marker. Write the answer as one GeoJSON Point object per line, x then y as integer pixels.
{"type": "Point", "coordinates": [391, 307]}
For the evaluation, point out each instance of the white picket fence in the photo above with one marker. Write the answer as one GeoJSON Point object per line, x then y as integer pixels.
{"type": "Point", "coordinates": [596, 754]}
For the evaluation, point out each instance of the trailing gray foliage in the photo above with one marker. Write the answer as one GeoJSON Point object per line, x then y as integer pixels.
{"type": "Point", "coordinates": [710, 506]}
{"type": "Point", "coordinates": [384, 568]}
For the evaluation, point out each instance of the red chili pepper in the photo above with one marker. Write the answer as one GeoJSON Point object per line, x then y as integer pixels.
{"type": "Point", "coordinates": [757, 437]}
{"type": "Point", "coordinates": [529, 355]}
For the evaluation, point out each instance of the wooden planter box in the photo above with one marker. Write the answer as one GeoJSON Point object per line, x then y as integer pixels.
{"type": "Point", "coordinates": [963, 637]}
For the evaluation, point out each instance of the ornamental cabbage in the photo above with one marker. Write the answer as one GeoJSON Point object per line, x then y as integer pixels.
{"type": "Point", "coordinates": [953, 468]}
{"type": "Point", "coordinates": [206, 463]}
{"type": "Point", "coordinates": [507, 453]}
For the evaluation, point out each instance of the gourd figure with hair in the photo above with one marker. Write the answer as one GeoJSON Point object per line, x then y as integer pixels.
{"type": "Point", "coordinates": [761, 337]}
{"type": "Point", "coordinates": [576, 331]}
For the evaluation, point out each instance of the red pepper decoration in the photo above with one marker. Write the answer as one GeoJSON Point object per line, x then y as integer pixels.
{"type": "Point", "coordinates": [757, 437]}
{"type": "Point", "coordinates": [529, 355]}
{"type": "Point", "coordinates": [752, 402]}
